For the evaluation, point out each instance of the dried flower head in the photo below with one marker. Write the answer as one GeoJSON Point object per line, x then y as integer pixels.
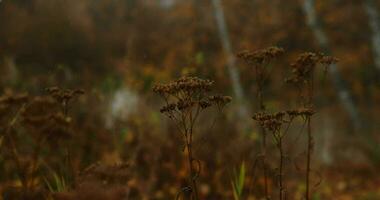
{"type": "Point", "coordinates": [188, 93]}
{"type": "Point", "coordinates": [270, 122]}
{"type": "Point", "coordinates": [185, 99]}
{"type": "Point", "coordinates": [184, 85]}
{"type": "Point", "coordinates": [261, 56]}
{"type": "Point", "coordinates": [63, 96]}
{"type": "Point", "coordinates": [219, 100]}
{"type": "Point", "coordinates": [43, 117]}
{"type": "Point", "coordinates": [305, 64]}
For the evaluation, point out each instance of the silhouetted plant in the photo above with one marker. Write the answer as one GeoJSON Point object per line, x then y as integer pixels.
{"type": "Point", "coordinates": [64, 97]}
{"type": "Point", "coordinates": [303, 78]}
{"type": "Point", "coordinates": [260, 60]}
{"type": "Point", "coordinates": [185, 99]}
{"type": "Point", "coordinates": [33, 122]}
{"type": "Point", "coordinates": [278, 125]}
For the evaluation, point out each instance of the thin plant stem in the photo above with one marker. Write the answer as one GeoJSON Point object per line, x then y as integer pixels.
{"type": "Point", "coordinates": [308, 162]}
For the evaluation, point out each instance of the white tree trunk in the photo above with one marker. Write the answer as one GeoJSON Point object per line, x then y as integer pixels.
{"type": "Point", "coordinates": [374, 23]}
{"type": "Point", "coordinates": [339, 84]}
{"type": "Point", "coordinates": [231, 66]}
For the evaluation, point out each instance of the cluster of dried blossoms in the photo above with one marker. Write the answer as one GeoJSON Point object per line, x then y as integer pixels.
{"type": "Point", "coordinates": [261, 56]}
{"type": "Point", "coordinates": [303, 78]}
{"type": "Point", "coordinates": [64, 96]}
{"type": "Point", "coordinates": [303, 67]}
{"type": "Point", "coordinates": [303, 112]}
{"type": "Point", "coordinates": [186, 94]}
{"type": "Point", "coordinates": [259, 60]}
{"type": "Point", "coordinates": [42, 120]}
{"type": "Point", "coordinates": [270, 122]}
{"type": "Point", "coordinates": [274, 124]}
{"type": "Point", "coordinates": [185, 99]}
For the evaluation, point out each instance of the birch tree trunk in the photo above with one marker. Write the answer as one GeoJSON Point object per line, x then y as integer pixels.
{"type": "Point", "coordinates": [374, 23]}
{"type": "Point", "coordinates": [338, 82]}
{"type": "Point", "coordinates": [231, 62]}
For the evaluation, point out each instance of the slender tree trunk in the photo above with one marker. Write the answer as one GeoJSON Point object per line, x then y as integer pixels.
{"type": "Point", "coordinates": [231, 62]}
{"type": "Point", "coordinates": [374, 23]}
{"type": "Point", "coordinates": [339, 83]}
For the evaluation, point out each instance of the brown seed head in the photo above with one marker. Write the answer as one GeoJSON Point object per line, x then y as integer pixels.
{"type": "Point", "coordinates": [261, 56]}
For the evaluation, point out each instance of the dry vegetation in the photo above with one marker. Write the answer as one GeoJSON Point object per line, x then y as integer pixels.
{"type": "Point", "coordinates": [38, 138]}
{"type": "Point", "coordinates": [130, 99]}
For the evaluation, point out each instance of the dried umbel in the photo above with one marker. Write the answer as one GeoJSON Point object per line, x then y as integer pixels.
{"type": "Point", "coordinates": [261, 56]}
{"type": "Point", "coordinates": [64, 96]}
{"type": "Point", "coordinates": [270, 122]}
{"type": "Point", "coordinates": [186, 94]}
{"type": "Point", "coordinates": [43, 118]}
{"type": "Point", "coordinates": [189, 85]}
{"type": "Point", "coordinates": [303, 112]}
{"type": "Point", "coordinates": [303, 67]}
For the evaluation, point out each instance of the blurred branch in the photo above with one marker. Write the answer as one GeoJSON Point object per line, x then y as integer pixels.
{"type": "Point", "coordinates": [374, 23]}
{"type": "Point", "coordinates": [231, 62]}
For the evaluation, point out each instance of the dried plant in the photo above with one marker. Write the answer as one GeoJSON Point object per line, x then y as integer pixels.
{"type": "Point", "coordinates": [64, 97]}
{"type": "Point", "coordinates": [278, 125]}
{"type": "Point", "coordinates": [260, 60]}
{"type": "Point", "coordinates": [303, 78]}
{"type": "Point", "coordinates": [39, 119]}
{"type": "Point", "coordinates": [185, 99]}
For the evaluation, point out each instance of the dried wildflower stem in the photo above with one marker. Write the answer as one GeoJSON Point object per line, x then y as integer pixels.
{"type": "Point", "coordinates": [308, 161]}
{"type": "Point", "coordinates": [303, 77]}
{"type": "Point", "coordinates": [261, 108]}
{"type": "Point", "coordinates": [260, 60]}
{"type": "Point", "coordinates": [64, 97]}
{"type": "Point", "coordinates": [185, 98]}
{"type": "Point", "coordinates": [309, 137]}
{"type": "Point", "coordinates": [273, 123]}
{"type": "Point", "coordinates": [281, 166]}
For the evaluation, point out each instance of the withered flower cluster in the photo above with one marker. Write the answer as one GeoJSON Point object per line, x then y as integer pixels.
{"type": "Point", "coordinates": [64, 96]}
{"type": "Point", "coordinates": [271, 122]}
{"type": "Point", "coordinates": [185, 99]}
{"type": "Point", "coordinates": [305, 64]}
{"type": "Point", "coordinates": [261, 56]}
{"type": "Point", "coordinates": [42, 117]}
{"type": "Point", "coordinates": [219, 100]}
{"type": "Point", "coordinates": [184, 85]}
{"type": "Point", "coordinates": [188, 93]}
{"type": "Point", "coordinates": [303, 112]}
